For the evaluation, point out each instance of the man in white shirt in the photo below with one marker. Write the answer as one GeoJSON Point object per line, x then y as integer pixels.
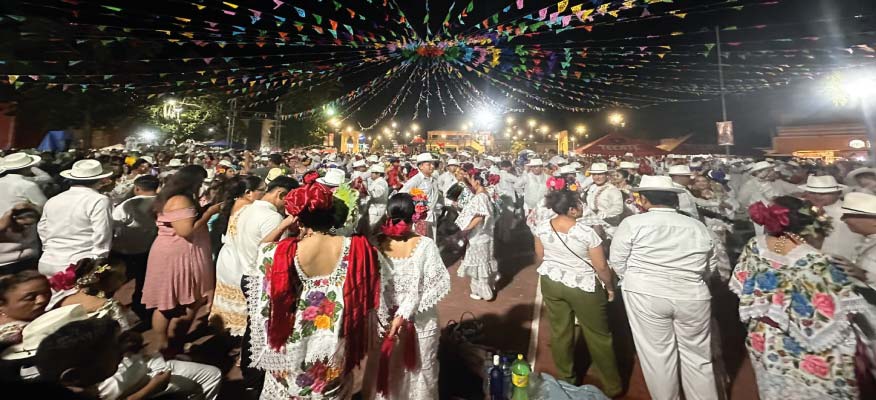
{"type": "Point", "coordinates": [360, 170]}
{"type": "Point", "coordinates": [508, 183]}
{"type": "Point", "coordinates": [15, 189]}
{"type": "Point", "coordinates": [448, 177]}
{"type": "Point", "coordinates": [859, 214]}
{"type": "Point", "coordinates": [533, 184]}
{"type": "Point", "coordinates": [134, 230]}
{"type": "Point", "coordinates": [663, 259]}
{"type": "Point", "coordinates": [825, 192]}
{"type": "Point", "coordinates": [428, 184]}
{"type": "Point", "coordinates": [680, 175]}
{"type": "Point", "coordinates": [603, 198]}
{"type": "Point", "coordinates": [759, 187]}
{"type": "Point", "coordinates": [77, 224]}
{"type": "Point", "coordinates": [378, 196]}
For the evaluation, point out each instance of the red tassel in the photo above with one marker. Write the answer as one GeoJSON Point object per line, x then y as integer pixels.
{"type": "Point", "coordinates": [383, 370]}
{"type": "Point", "coordinates": [285, 289]}
{"type": "Point", "coordinates": [410, 343]}
{"type": "Point", "coordinates": [361, 295]}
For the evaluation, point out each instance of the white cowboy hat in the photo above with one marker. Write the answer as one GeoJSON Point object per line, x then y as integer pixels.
{"type": "Point", "coordinates": [576, 165]}
{"type": "Point", "coordinates": [226, 163]}
{"type": "Point", "coordinates": [761, 165]}
{"type": "Point", "coordinates": [855, 172]}
{"type": "Point", "coordinates": [174, 163]}
{"type": "Point", "coordinates": [565, 169]}
{"type": "Point", "coordinates": [821, 184]}
{"type": "Point", "coordinates": [425, 157]}
{"type": "Point", "coordinates": [628, 165]}
{"type": "Point", "coordinates": [377, 168]}
{"type": "Point", "coordinates": [274, 173]}
{"type": "Point", "coordinates": [86, 170]}
{"type": "Point", "coordinates": [598, 168]}
{"type": "Point", "coordinates": [650, 183]}
{"type": "Point", "coordinates": [463, 154]}
{"type": "Point", "coordinates": [359, 163]}
{"type": "Point", "coordinates": [860, 204]}
{"type": "Point", "coordinates": [148, 159]}
{"type": "Point", "coordinates": [373, 158]}
{"type": "Point", "coordinates": [452, 161]}
{"type": "Point", "coordinates": [45, 325]}
{"type": "Point", "coordinates": [535, 162]}
{"type": "Point", "coordinates": [557, 160]}
{"type": "Point", "coordinates": [333, 177]}
{"type": "Point", "coordinates": [18, 161]}
{"type": "Point", "coordinates": [679, 170]}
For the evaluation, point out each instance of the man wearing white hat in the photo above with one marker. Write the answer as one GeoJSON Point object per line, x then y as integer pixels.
{"type": "Point", "coordinates": [825, 192]}
{"type": "Point", "coordinates": [425, 181]}
{"type": "Point", "coordinates": [448, 178]}
{"type": "Point", "coordinates": [862, 180]}
{"type": "Point", "coordinates": [760, 187]}
{"type": "Point", "coordinates": [859, 215]}
{"type": "Point", "coordinates": [360, 170]}
{"type": "Point", "coordinates": [663, 259]}
{"type": "Point", "coordinates": [680, 175]}
{"type": "Point", "coordinates": [77, 224]}
{"type": "Point", "coordinates": [378, 196]}
{"type": "Point", "coordinates": [603, 198]}
{"type": "Point", "coordinates": [633, 169]}
{"type": "Point", "coordinates": [533, 184]}
{"type": "Point", "coordinates": [17, 189]}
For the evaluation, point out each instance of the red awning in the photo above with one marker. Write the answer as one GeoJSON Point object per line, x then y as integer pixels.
{"type": "Point", "coordinates": [617, 145]}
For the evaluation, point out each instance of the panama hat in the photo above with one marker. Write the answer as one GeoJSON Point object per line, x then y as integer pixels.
{"type": "Point", "coordinates": [274, 173]}
{"type": "Point", "coordinates": [565, 169]}
{"type": "Point", "coordinates": [148, 159]}
{"type": "Point", "coordinates": [174, 163]}
{"type": "Point", "coordinates": [821, 184]}
{"type": "Point", "coordinates": [359, 163]}
{"type": "Point", "coordinates": [16, 161]}
{"type": "Point", "coordinates": [333, 177]}
{"type": "Point", "coordinates": [598, 168]}
{"type": "Point", "coordinates": [373, 158]}
{"type": "Point", "coordinates": [452, 161]}
{"type": "Point", "coordinates": [226, 163]}
{"type": "Point", "coordinates": [652, 183]}
{"type": "Point", "coordinates": [45, 325]}
{"type": "Point", "coordinates": [860, 204]}
{"type": "Point", "coordinates": [628, 165]}
{"type": "Point", "coordinates": [86, 170]}
{"type": "Point", "coordinates": [679, 170]}
{"type": "Point", "coordinates": [425, 157]}
{"type": "Point", "coordinates": [535, 162]}
{"type": "Point", "coordinates": [377, 168]}
{"type": "Point", "coordinates": [855, 172]}
{"type": "Point", "coordinates": [761, 165]}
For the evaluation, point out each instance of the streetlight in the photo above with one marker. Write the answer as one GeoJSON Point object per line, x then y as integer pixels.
{"type": "Point", "coordinates": [509, 120]}
{"type": "Point", "coordinates": [617, 119]}
{"type": "Point", "coordinates": [532, 123]}
{"type": "Point", "coordinates": [394, 125]}
{"type": "Point", "coordinates": [580, 129]}
{"type": "Point", "coordinates": [211, 130]}
{"type": "Point", "coordinates": [329, 111]}
{"type": "Point", "coordinates": [545, 129]}
{"type": "Point", "coordinates": [415, 127]}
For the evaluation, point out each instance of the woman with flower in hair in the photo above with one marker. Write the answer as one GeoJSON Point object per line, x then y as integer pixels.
{"type": "Point", "coordinates": [312, 320]}
{"type": "Point", "coordinates": [797, 303]}
{"type": "Point", "coordinates": [415, 280]}
{"type": "Point", "coordinates": [477, 220]}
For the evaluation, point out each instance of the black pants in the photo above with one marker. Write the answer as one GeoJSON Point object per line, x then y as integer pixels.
{"type": "Point", "coordinates": [253, 378]}
{"type": "Point", "coordinates": [135, 268]}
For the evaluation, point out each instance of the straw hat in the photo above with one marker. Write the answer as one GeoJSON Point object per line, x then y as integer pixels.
{"type": "Point", "coordinates": [679, 170]}
{"type": "Point", "coordinates": [425, 157]}
{"type": "Point", "coordinates": [16, 161]}
{"type": "Point", "coordinates": [628, 165]}
{"type": "Point", "coordinates": [821, 184]}
{"type": "Point", "coordinates": [452, 161]}
{"type": "Point", "coordinates": [45, 325]}
{"type": "Point", "coordinates": [858, 203]}
{"type": "Point", "coordinates": [761, 165]}
{"type": "Point", "coordinates": [174, 163]}
{"type": "Point", "coordinates": [333, 177]}
{"type": "Point", "coordinates": [652, 183]}
{"type": "Point", "coordinates": [359, 163]}
{"type": "Point", "coordinates": [86, 170]}
{"type": "Point", "coordinates": [377, 168]}
{"type": "Point", "coordinates": [535, 162]}
{"type": "Point", "coordinates": [274, 173]}
{"type": "Point", "coordinates": [598, 168]}
{"type": "Point", "coordinates": [855, 172]}
{"type": "Point", "coordinates": [565, 169]}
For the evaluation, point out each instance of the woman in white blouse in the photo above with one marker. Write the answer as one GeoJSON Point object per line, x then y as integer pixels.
{"type": "Point", "coordinates": [576, 283]}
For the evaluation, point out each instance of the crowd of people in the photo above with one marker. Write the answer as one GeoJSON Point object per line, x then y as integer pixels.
{"type": "Point", "coordinates": [325, 269]}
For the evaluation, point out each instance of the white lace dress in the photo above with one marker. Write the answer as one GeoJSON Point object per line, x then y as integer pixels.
{"type": "Point", "coordinates": [478, 262]}
{"type": "Point", "coordinates": [415, 287]}
{"type": "Point", "coordinates": [310, 366]}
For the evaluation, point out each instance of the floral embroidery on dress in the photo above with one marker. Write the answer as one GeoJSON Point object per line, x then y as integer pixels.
{"type": "Point", "coordinates": [319, 310]}
{"type": "Point", "coordinates": [317, 378]}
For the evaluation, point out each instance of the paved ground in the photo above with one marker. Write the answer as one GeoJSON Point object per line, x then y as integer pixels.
{"type": "Point", "coordinates": [508, 327]}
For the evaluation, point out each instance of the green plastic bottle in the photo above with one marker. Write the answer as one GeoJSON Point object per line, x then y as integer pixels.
{"type": "Point", "coordinates": [520, 371]}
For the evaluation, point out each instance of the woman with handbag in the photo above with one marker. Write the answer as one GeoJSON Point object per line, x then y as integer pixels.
{"type": "Point", "coordinates": [571, 260]}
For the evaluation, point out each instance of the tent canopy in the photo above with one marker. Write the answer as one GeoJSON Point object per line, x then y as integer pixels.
{"type": "Point", "coordinates": [618, 145]}
{"type": "Point", "coordinates": [54, 141]}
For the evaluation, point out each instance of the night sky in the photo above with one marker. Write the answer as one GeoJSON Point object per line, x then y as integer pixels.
{"type": "Point", "coordinates": [791, 45]}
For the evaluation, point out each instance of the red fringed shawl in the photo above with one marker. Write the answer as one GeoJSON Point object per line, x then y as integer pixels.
{"type": "Point", "coordinates": [361, 296]}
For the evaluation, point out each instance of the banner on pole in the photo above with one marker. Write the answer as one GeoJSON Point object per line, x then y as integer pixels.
{"type": "Point", "coordinates": [725, 133]}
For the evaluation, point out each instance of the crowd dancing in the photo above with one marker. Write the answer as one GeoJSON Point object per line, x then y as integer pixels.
{"type": "Point", "coordinates": [324, 270]}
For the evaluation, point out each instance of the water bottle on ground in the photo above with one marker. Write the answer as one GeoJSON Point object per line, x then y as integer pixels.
{"type": "Point", "coordinates": [497, 380]}
{"type": "Point", "coordinates": [520, 371]}
{"type": "Point", "coordinates": [506, 370]}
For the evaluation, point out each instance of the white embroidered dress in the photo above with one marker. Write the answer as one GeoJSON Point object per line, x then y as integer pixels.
{"type": "Point", "coordinates": [310, 365]}
{"type": "Point", "coordinates": [478, 261]}
{"type": "Point", "coordinates": [415, 286]}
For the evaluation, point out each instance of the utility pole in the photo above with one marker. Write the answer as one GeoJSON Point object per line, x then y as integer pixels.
{"type": "Point", "coordinates": [231, 122]}
{"type": "Point", "coordinates": [278, 125]}
{"type": "Point", "coordinates": [721, 80]}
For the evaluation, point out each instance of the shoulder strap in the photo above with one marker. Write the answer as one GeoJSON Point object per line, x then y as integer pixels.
{"type": "Point", "coordinates": [567, 246]}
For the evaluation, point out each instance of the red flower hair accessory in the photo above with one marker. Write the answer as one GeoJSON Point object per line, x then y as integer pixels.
{"type": "Point", "coordinates": [310, 177]}
{"type": "Point", "coordinates": [773, 218]}
{"type": "Point", "coordinates": [63, 280]}
{"type": "Point", "coordinates": [493, 180]}
{"type": "Point", "coordinates": [556, 183]}
{"type": "Point", "coordinates": [397, 229]}
{"type": "Point", "coordinates": [311, 197]}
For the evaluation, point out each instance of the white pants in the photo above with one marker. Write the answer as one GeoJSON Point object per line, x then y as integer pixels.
{"type": "Point", "coordinates": [664, 331]}
{"type": "Point", "coordinates": [196, 381]}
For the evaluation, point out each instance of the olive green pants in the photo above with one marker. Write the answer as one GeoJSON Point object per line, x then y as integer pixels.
{"type": "Point", "coordinates": [564, 304]}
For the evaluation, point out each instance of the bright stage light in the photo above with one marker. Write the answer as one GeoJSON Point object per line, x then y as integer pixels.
{"type": "Point", "coordinates": [415, 127]}
{"type": "Point", "coordinates": [394, 124]}
{"type": "Point", "coordinates": [580, 129]}
{"type": "Point", "coordinates": [148, 135]}
{"type": "Point", "coordinates": [616, 119]}
{"type": "Point", "coordinates": [509, 120]}
{"type": "Point", "coordinates": [861, 88]}
{"type": "Point", "coordinates": [532, 123]}
{"type": "Point", "coordinates": [484, 117]}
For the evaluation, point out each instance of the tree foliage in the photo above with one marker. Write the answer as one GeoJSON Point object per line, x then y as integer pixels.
{"type": "Point", "coordinates": [189, 117]}
{"type": "Point", "coordinates": [303, 132]}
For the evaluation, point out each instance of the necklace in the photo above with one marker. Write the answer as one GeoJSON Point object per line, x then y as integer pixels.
{"type": "Point", "coordinates": [779, 246]}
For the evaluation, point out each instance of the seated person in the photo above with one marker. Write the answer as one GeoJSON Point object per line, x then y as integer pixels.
{"type": "Point", "coordinates": [23, 298]}
{"type": "Point", "coordinates": [92, 283]}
